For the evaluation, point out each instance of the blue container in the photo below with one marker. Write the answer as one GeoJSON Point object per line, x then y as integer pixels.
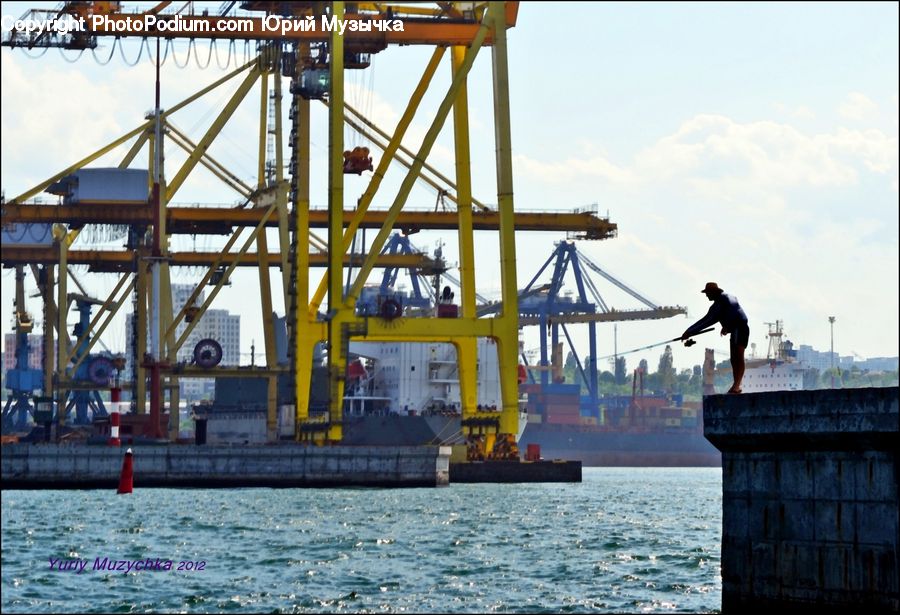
{"type": "Point", "coordinates": [562, 389]}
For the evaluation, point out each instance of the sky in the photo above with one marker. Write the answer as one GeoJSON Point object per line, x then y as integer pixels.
{"type": "Point", "coordinates": [750, 144]}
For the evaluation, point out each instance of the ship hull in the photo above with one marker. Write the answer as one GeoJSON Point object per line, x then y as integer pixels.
{"type": "Point", "coordinates": [397, 430]}
{"type": "Point", "coordinates": [595, 448]}
{"type": "Point", "coordinates": [628, 449]}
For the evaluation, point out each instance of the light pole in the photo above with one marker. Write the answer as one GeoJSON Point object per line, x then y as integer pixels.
{"type": "Point", "coordinates": [831, 321]}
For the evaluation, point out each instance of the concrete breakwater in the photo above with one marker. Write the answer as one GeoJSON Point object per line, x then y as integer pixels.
{"type": "Point", "coordinates": [810, 498]}
{"type": "Point", "coordinates": [49, 466]}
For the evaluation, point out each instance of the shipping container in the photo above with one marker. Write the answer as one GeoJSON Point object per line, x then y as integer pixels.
{"type": "Point", "coordinates": [563, 389]}
{"type": "Point", "coordinates": [573, 410]}
{"type": "Point", "coordinates": [564, 420]}
{"type": "Point", "coordinates": [670, 412]}
{"type": "Point", "coordinates": [566, 400]}
{"type": "Point", "coordinates": [99, 185]}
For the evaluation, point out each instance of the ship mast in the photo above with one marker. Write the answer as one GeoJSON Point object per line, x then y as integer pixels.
{"type": "Point", "coordinates": [776, 346]}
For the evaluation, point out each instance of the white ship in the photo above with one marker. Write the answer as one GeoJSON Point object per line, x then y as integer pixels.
{"type": "Point", "coordinates": [394, 389]}
{"type": "Point", "coordinates": [779, 371]}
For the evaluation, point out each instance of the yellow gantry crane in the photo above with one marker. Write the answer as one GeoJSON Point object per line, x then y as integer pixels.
{"type": "Point", "coordinates": [313, 43]}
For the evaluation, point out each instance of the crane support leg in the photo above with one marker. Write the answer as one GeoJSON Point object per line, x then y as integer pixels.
{"type": "Point", "coordinates": [302, 326]}
{"type": "Point", "coordinates": [507, 343]}
{"type": "Point", "coordinates": [466, 348]}
{"type": "Point", "coordinates": [265, 277]}
{"type": "Point", "coordinates": [337, 359]}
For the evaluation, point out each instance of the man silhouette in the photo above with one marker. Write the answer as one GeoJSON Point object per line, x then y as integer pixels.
{"type": "Point", "coordinates": [728, 312]}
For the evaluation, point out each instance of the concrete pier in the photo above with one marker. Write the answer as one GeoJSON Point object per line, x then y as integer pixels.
{"type": "Point", "coordinates": [49, 466]}
{"type": "Point", "coordinates": [516, 472]}
{"type": "Point", "coordinates": [810, 498]}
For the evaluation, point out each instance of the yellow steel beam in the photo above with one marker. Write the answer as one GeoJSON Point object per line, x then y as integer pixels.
{"type": "Point", "coordinates": [220, 220]}
{"type": "Point", "coordinates": [430, 329]}
{"type": "Point", "coordinates": [218, 259]}
{"type": "Point", "coordinates": [96, 318]}
{"type": "Point", "coordinates": [108, 319]}
{"type": "Point", "coordinates": [215, 291]}
{"type": "Point", "coordinates": [61, 238]}
{"type": "Point", "coordinates": [135, 150]}
{"type": "Point", "coordinates": [383, 163]}
{"type": "Point", "coordinates": [508, 341]}
{"type": "Point", "coordinates": [262, 250]}
{"type": "Point", "coordinates": [78, 283]}
{"type": "Point", "coordinates": [166, 314]}
{"type": "Point", "coordinates": [211, 133]}
{"type": "Point", "coordinates": [304, 338]}
{"type": "Point", "coordinates": [611, 316]}
{"type": "Point", "coordinates": [86, 160]}
{"type": "Point", "coordinates": [212, 86]}
{"type": "Point", "coordinates": [466, 348]}
{"type": "Point", "coordinates": [124, 138]}
{"type": "Point", "coordinates": [424, 150]}
{"type": "Point", "coordinates": [337, 360]}
{"type": "Point", "coordinates": [215, 167]}
{"type": "Point", "coordinates": [281, 210]}
{"type": "Point", "coordinates": [400, 9]}
{"type": "Point", "coordinates": [377, 142]}
{"type": "Point", "coordinates": [447, 181]}
{"type": "Point", "coordinates": [122, 260]}
{"type": "Point", "coordinates": [415, 32]}
{"type": "Point", "coordinates": [140, 382]}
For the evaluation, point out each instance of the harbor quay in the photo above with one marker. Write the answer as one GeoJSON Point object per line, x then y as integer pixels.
{"type": "Point", "coordinates": [51, 466]}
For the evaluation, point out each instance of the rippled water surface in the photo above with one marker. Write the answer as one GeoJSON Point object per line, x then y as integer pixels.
{"type": "Point", "coordinates": [623, 540]}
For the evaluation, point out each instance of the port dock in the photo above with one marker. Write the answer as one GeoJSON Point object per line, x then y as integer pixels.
{"type": "Point", "coordinates": [558, 471]}
{"type": "Point", "coordinates": [95, 467]}
{"type": "Point", "coordinates": [810, 498]}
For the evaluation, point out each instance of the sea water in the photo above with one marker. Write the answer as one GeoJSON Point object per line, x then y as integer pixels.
{"type": "Point", "coordinates": [625, 539]}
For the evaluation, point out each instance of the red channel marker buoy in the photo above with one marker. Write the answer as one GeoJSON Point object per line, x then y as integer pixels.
{"type": "Point", "coordinates": [126, 479]}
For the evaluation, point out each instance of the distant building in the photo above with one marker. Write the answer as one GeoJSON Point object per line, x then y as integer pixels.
{"type": "Point", "coordinates": [35, 351]}
{"type": "Point", "coordinates": [879, 364]}
{"type": "Point", "coordinates": [219, 325]}
{"type": "Point", "coordinates": [822, 361]}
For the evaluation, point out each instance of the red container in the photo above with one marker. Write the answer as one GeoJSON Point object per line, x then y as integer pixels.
{"type": "Point", "coordinates": [447, 310]}
{"type": "Point", "coordinates": [533, 452]}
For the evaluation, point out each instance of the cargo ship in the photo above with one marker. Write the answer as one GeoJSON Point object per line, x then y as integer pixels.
{"type": "Point", "coordinates": [408, 394]}
{"type": "Point", "coordinates": [621, 431]}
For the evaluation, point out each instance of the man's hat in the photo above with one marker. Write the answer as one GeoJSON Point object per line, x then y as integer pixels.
{"type": "Point", "coordinates": [711, 287]}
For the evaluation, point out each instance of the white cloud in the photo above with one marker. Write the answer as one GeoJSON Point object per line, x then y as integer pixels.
{"type": "Point", "coordinates": [857, 107]}
{"type": "Point", "coordinates": [754, 205]}
{"type": "Point", "coordinates": [718, 157]}
{"type": "Point", "coordinates": [801, 113]}
{"type": "Point", "coordinates": [570, 169]}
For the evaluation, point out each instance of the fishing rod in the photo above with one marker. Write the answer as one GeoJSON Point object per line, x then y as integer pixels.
{"type": "Point", "coordinates": [688, 342]}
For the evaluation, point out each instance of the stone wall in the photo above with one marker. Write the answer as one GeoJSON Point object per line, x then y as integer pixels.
{"type": "Point", "coordinates": [810, 498]}
{"type": "Point", "coordinates": [50, 466]}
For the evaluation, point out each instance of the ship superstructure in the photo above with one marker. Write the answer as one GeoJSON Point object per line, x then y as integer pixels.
{"type": "Point", "coordinates": [780, 370]}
